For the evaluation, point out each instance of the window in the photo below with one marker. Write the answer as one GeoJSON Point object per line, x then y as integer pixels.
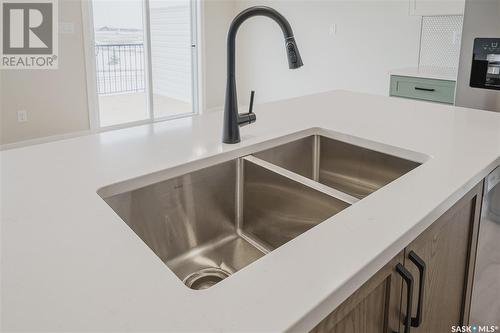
{"type": "Point", "coordinates": [142, 59]}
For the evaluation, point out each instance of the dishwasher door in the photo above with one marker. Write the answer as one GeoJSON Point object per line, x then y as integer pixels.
{"type": "Point", "coordinates": [485, 304]}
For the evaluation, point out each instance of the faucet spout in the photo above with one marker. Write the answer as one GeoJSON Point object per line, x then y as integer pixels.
{"type": "Point", "coordinates": [232, 119]}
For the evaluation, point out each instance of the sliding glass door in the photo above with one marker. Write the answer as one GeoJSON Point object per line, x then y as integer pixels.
{"type": "Point", "coordinates": [145, 60]}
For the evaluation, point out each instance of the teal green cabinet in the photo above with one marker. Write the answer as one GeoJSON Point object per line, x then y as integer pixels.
{"type": "Point", "coordinates": [442, 91]}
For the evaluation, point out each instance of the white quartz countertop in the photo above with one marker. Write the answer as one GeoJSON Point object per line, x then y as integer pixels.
{"type": "Point", "coordinates": [437, 73]}
{"type": "Point", "coordinates": [69, 263]}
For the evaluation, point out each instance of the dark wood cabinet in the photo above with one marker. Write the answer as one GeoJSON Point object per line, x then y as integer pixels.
{"type": "Point", "coordinates": [448, 249]}
{"type": "Point", "coordinates": [443, 256]}
{"type": "Point", "coordinates": [372, 308]}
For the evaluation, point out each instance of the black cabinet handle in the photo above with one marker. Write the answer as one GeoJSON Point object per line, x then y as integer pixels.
{"type": "Point", "coordinates": [408, 279]}
{"type": "Point", "coordinates": [416, 321]}
{"type": "Point", "coordinates": [425, 89]}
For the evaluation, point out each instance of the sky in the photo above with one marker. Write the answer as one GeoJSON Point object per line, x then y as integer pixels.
{"type": "Point", "coordinates": [118, 13]}
{"type": "Point", "coordinates": [126, 13]}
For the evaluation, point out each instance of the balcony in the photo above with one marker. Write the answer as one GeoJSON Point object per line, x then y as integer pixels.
{"type": "Point", "coordinates": [121, 86]}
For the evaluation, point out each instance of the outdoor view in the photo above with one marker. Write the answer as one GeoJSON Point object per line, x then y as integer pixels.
{"type": "Point", "coordinates": [122, 60]}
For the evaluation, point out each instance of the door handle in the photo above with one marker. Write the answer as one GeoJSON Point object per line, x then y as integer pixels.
{"type": "Point", "coordinates": [408, 279]}
{"type": "Point", "coordinates": [420, 263]}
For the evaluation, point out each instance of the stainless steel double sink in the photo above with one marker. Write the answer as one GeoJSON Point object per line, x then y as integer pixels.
{"type": "Point", "coordinates": [210, 223]}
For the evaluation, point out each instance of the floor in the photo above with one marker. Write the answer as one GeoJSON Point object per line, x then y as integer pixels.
{"type": "Point", "coordinates": [129, 107]}
{"type": "Point", "coordinates": [485, 307]}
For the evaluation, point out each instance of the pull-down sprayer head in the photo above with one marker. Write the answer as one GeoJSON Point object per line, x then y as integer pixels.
{"type": "Point", "coordinates": [292, 52]}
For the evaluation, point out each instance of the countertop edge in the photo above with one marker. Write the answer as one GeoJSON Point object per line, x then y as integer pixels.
{"type": "Point", "coordinates": [337, 297]}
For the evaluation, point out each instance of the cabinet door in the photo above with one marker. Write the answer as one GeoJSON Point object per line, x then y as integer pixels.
{"type": "Point", "coordinates": [437, 7]}
{"type": "Point", "coordinates": [373, 308]}
{"type": "Point", "coordinates": [447, 248]}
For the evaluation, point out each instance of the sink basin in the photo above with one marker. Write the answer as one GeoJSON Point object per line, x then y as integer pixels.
{"type": "Point", "coordinates": [208, 224]}
{"type": "Point", "coordinates": [351, 169]}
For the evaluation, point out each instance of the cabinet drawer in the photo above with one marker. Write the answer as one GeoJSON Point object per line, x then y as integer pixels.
{"type": "Point", "coordinates": [441, 91]}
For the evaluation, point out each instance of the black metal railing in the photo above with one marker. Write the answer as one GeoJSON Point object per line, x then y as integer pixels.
{"type": "Point", "coordinates": [119, 68]}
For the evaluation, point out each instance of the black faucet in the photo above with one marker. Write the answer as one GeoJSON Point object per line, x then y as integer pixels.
{"type": "Point", "coordinates": [232, 119]}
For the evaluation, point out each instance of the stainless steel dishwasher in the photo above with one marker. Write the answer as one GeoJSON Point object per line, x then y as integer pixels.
{"type": "Point", "coordinates": [485, 306]}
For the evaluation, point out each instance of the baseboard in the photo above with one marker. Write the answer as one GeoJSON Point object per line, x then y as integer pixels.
{"type": "Point", "coordinates": [44, 139]}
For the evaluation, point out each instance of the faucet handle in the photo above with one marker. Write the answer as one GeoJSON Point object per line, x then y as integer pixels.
{"type": "Point", "coordinates": [252, 95]}
{"type": "Point", "coordinates": [250, 117]}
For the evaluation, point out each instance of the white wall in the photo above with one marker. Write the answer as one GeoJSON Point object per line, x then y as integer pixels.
{"type": "Point", "coordinates": [2, 101]}
{"type": "Point", "coordinates": [372, 38]}
{"type": "Point", "coordinates": [218, 14]}
{"type": "Point", "coordinates": [56, 100]}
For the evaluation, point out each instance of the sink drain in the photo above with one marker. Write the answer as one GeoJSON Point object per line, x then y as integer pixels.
{"type": "Point", "coordinates": [205, 278]}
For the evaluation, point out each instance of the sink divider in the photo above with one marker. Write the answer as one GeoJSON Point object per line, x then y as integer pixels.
{"type": "Point", "coordinates": [316, 157]}
{"type": "Point", "coordinates": [298, 178]}
{"type": "Point", "coordinates": [240, 176]}
{"type": "Point", "coordinates": [239, 193]}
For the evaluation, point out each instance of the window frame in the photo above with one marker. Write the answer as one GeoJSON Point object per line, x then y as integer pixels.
{"type": "Point", "coordinates": [91, 77]}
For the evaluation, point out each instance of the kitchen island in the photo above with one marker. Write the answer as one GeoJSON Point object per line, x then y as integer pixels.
{"type": "Point", "coordinates": [69, 262]}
